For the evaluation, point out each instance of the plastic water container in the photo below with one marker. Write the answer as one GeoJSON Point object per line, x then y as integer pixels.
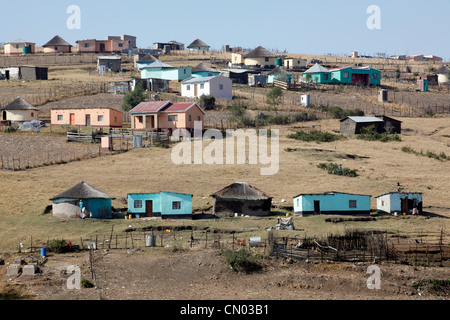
{"type": "Point", "coordinates": [43, 252]}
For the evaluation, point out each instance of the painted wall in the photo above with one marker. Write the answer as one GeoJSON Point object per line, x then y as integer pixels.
{"type": "Point", "coordinates": [57, 49]}
{"type": "Point", "coordinates": [20, 115]}
{"type": "Point", "coordinates": [337, 203]}
{"type": "Point", "coordinates": [17, 48]}
{"type": "Point", "coordinates": [294, 63]}
{"type": "Point", "coordinates": [345, 75]}
{"type": "Point", "coordinates": [162, 204]}
{"type": "Point", "coordinates": [204, 74]}
{"type": "Point", "coordinates": [237, 58]}
{"type": "Point", "coordinates": [70, 208]}
{"type": "Point", "coordinates": [320, 77]}
{"type": "Point", "coordinates": [392, 202]}
{"type": "Point", "coordinates": [14, 72]}
{"type": "Point", "coordinates": [111, 117]}
{"type": "Point", "coordinates": [173, 74]}
{"type": "Point", "coordinates": [260, 61]}
{"type": "Point", "coordinates": [220, 87]}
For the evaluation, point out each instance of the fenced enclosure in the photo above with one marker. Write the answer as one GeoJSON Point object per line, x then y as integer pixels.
{"type": "Point", "coordinates": [353, 246]}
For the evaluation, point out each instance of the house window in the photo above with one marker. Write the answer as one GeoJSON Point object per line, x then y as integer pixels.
{"type": "Point", "coordinates": [147, 118]}
{"type": "Point", "coordinates": [60, 117]}
{"type": "Point", "coordinates": [32, 114]}
{"type": "Point", "coordinates": [220, 86]}
{"type": "Point", "coordinates": [202, 86]}
{"type": "Point", "coordinates": [176, 205]}
{"type": "Point", "coordinates": [173, 117]}
{"type": "Point", "coordinates": [266, 59]}
{"type": "Point", "coordinates": [375, 76]}
{"type": "Point", "coordinates": [382, 203]}
{"type": "Point", "coordinates": [325, 77]}
{"type": "Point", "coordinates": [86, 45]}
{"type": "Point", "coordinates": [188, 87]}
{"type": "Point", "coordinates": [190, 118]}
{"type": "Point", "coordinates": [345, 75]}
{"type": "Point", "coordinates": [184, 70]}
{"type": "Point", "coordinates": [138, 204]}
{"type": "Point", "coordinates": [120, 45]}
{"type": "Point", "coordinates": [198, 118]}
{"type": "Point", "coordinates": [100, 118]}
{"type": "Point", "coordinates": [352, 203]}
{"type": "Point", "coordinates": [298, 202]}
{"type": "Point", "coordinates": [115, 119]}
{"type": "Point", "coordinates": [17, 46]}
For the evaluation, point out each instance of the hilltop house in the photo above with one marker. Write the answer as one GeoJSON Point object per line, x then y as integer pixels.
{"type": "Point", "coordinates": [443, 75]}
{"type": "Point", "coordinates": [19, 111]}
{"type": "Point", "coordinates": [113, 46]}
{"type": "Point", "coordinates": [331, 203]}
{"type": "Point", "coordinates": [161, 204]}
{"type": "Point", "coordinates": [217, 86]}
{"type": "Point", "coordinates": [318, 74]}
{"type": "Point", "coordinates": [89, 117]}
{"type": "Point", "coordinates": [25, 73]}
{"type": "Point", "coordinates": [243, 199]}
{"type": "Point", "coordinates": [165, 116]}
{"type": "Point", "coordinates": [145, 61]}
{"type": "Point", "coordinates": [70, 203]}
{"type": "Point", "coordinates": [109, 63]}
{"type": "Point", "coordinates": [260, 57]}
{"type": "Point", "coordinates": [357, 76]}
{"type": "Point", "coordinates": [198, 45]}
{"type": "Point", "coordinates": [400, 202]}
{"type": "Point", "coordinates": [294, 63]}
{"type": "Point", "coordinates": [19, 47]}
{"type": "Point", "coordinates": [161, 70]}
{"type": "Point", "coordinates": [57, 45]}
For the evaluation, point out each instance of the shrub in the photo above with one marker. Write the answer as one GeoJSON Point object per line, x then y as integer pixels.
{"type": "Point", "coordinates": [334, 168]}
{"type": "Point", "coordinates": [207, 102]}
{"type": "Point", "coordinates": [314, 135]}
{"type": "Point", "coordinates": [85, 283]}
{"type": "Point", "coordinates": [242, 261]}
{"type": "Point", "coordinates": [339, 113]}
{"type": "Point", "coordinates": [58, 246]}
{"type": "Point", "coordinates": [370, 134]}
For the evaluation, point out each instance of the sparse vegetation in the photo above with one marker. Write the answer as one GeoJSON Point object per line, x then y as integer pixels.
{"type": "Point", "coordinates": [133, 98]}
{"type": "Point", "coordinates": [314, 135]}
{"type": "Point", "coordinates": [435, 286]}
{"type": "Point", "coordinates": [370, 134]}
{"type": "Point", "coordinates": [242, 261]}
{"type": "Point", "coordinates": [85, 283]}
{"type": "Point", "coordinates": [334, 168]}
{"type": "Point", "coordinates": [441, 157]}
{"type": "Point", "coordinates": [207, 102]}
{"type": "Point", "coordinates": [58, 246]}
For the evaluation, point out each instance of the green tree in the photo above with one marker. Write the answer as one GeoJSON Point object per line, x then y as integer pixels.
{"type": "Point", "coordinates": [274, 97]}
{"type": "Point", "coordinates": [133, 98]}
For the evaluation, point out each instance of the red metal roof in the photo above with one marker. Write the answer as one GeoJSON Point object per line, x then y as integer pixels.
{"type": "Point", "coordinates": [149, 106]}
{"type": "Point", "coordinates": [180, 107]}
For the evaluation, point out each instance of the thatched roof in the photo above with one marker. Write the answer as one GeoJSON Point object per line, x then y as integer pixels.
{"type": "Point", "coordinates": [19, 104]}
{"type": "Point", "coordinates": [201, 67]}
{"type": "Point", "coordinates": [57, 41]}
{"type": "Point", "coordinates": [82, 190]}
{"type": "Point", "coordinates": [260, 52]}
{"type": "Point", "coordinates": [148, 58]}
{"type": "Point", "coordinates": [241, 191]}
{"type": "Point", "coordinates": [197, 43]}
{"type": "Point", "coordinates": [278, 70]}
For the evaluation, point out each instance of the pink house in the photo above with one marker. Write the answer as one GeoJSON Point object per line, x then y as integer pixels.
{"type": "Point", "coordinates": [89, 117]}
{"type": "Point", "coordinates": [102, 46]}
{"type": "Point", "coordinates": [166, 116]}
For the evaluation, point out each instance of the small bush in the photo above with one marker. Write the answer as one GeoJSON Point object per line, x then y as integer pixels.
{"type": "Point", "coordinates": [314, 135]}
{"type": "Point", "coordinates": [10, 129]}
{"type": "Point", "coordinates": [207, 102]}
{"type": "Point", "coordinates": [162, 144]}
{"type": "Point", "coordinates": [242, 261]}
{"type": "Point", "coordinates": [370, 134]}
{"type": "Point", "coordinates": [334, 168]}
{"type": "Point", "coordinates": [58, 246]}
{"type": "Point", "coordinates": [85, 283]}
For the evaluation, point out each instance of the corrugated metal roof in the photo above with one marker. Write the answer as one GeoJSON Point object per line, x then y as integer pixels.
{"type": "Point", "coordinates": [158, 64]}
{"type": "Point", "coordinates": [317, 68]}
{"type": "Point", "coordinates": [181, 107]}
{"type": "Point", "coordinates": [149, 106]}
{"type": "Point", "coordinates": [330, 193]}
{"type": "Point", "coordinates": [197, 80]}
{"type": "Point", "coordinates": [364, 119]}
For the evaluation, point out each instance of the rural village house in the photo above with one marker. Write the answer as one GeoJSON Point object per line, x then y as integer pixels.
{"type": "Point", "coordinates": [318, 74]}
{"type": "Point", "coordinates": [109, 63]}
{"type": "Point", "coordinates": [198, 45]}
{"type": "Point", "coordinates": [345, 75]}
{"type": "Point", "coordinates": [218, 86]}
{"type": "Point", "coordinates": [355, 124]}
{"type": "Point", "coordinates": [145, 61]}
{"type": "Point", "coordinates": [113, 46]}
{"type": "Point", "coordinates": [399, 202]}
{"type": "Point", "coordinates": [69, 203]}
{"type": "Point", "coordinates": [165, 116]}
{"type": "Point", "coordinates": [243, 199]}
{"type": "Point", "coordinates": [172, 45]}
{"type": "Point", "coordinates": [161, 204]}
{"type": "Point", "coordinates": [19, 111]}
{"type": "Point", "coordinates": [89, 117]}
{"type": "Point", "coordinates": [202, 70]}
{"type": "Point", "coordinates": [332, 203]}
{"type": "Point", "coordinates": [443, 75]}
{"type": "Point", "coordinates": [57, 45]}
{"type": "Point", "coordinates": [294, 63]}
{"type": "Point", "coordinates": [19, 47]}
{"type": "Point", "coordinates": [260, 57]}
{"type": "Point", "coordinates": [25, 73]}
{"type": "Point", "coordinates": [164, 71]}
{"type": "Point", "coordinates": [130, 39]}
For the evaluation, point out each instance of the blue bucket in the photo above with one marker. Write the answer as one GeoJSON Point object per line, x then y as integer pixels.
{"type": "Point", "coordinates": [43, 252]}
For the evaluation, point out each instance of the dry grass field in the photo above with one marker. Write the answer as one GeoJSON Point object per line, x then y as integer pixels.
{"type": "Point", "coordinates": [381, 166]}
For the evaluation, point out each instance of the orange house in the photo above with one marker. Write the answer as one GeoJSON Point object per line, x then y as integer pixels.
{"type": "Point", "coordinates": [166, 116]}
{"type": "Point", "coordinates": [89, 117]}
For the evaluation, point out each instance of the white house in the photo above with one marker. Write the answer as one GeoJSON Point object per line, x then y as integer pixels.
{"type": "Point", "coordinates": [401, 202]}
{"type": "Point", "coordinates": [218, 86]}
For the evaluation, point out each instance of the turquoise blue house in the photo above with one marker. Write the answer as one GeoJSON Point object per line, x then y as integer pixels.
{"type": "Point", "coordinates": [358, 76]}
{"type": "Point", "coordinates": [161, 204]}
{"type": "Point", "coordinates": [161, 70]}
{"type": "Point", "coordinates": [82, 197]}
{"type": "Point", "coordinates": [318, 74]}
{"type": "Point", "coordinates": [332, 203]}
{"type": "Point", "coordinates": [202, 70]}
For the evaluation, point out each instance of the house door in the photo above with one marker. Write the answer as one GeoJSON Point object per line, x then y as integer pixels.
{"type": "Point", "coordinates": [7, 74]}
{"type": "Point", "coordinates": [4, 115]}
{"type": "Point", "coordinates": [316, 207]}
{"type": "Point", "coordinates": [102, 47]}
{"type": "Point", "coordinates": [72, 119]}
{"type": "Point", "coordinates": [149, 208]}
{"type": "Point", "coordinates": [404, 205]}
{"type": "Point", "coordinates": [195, 90]}
{"type": "Point", "coordinates": [88, 120]}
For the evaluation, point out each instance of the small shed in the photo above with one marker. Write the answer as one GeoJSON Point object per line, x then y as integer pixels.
{"type": "Point", "coordinates": [110, 63]}
{"type": "Point", "coordinates": [318, 74]}
{"type": "Point", "coordinates": [19, 111]}
{"type": "Point", "coordinates": [218, 86]}
{"type": "Point", "coordinates": [162, 204]}
{"type": "Point", "coordinates": [399, 202]}
{"type": "Point", "coordinates": [241, 198]}
{"type": "Point", "coordinates": [443, 75]}
{"type": "Point", "coordinates": [70, 203]}
{"type": "Point", "coordinates": [354, 124]}
{"type": "Point", "coordinates": [34, 73]}
{"type": "Point", "coordinates": [332, 203]}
